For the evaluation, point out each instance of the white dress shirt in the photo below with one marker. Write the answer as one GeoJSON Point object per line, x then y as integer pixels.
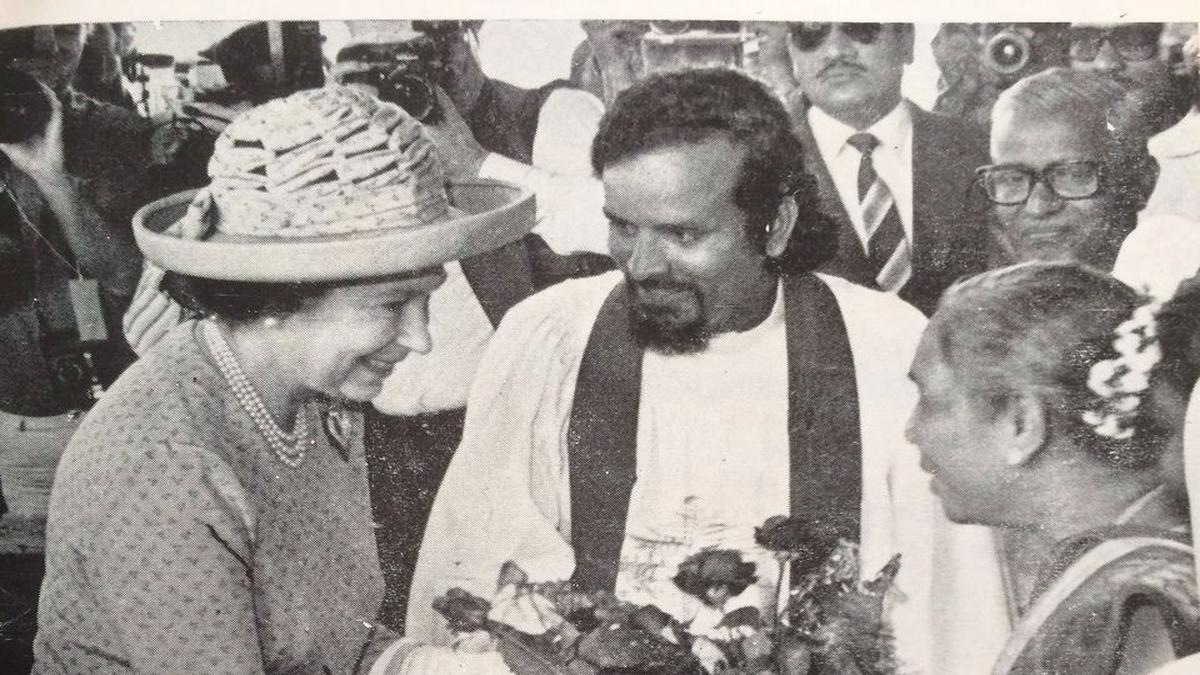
{"type": "Point", "coordinates": [570, 199]}
{"type": "Point", "coordinates": [892, 159]}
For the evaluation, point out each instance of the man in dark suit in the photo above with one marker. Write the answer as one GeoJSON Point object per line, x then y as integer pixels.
{"type": "Point", "coordinates": [895, 176]}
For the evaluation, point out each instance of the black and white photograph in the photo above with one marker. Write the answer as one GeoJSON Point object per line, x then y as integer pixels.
{"type": "Point", "coordinates": [519, 342]}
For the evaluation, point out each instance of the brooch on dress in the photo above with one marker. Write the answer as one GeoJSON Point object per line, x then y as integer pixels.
{"type": "Point", "coordinates": [339, 426]}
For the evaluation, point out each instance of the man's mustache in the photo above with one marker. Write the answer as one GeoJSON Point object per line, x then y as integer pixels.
{"type": "Point", "coordinates": [660, 284]}
{"type": "Point", "coordinates": [840, 63]}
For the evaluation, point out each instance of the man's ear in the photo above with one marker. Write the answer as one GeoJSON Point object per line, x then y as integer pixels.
{"type": "Point", "coordinates": [1025, 420]}
{"type": "Point", "coordinates": [780, 229]}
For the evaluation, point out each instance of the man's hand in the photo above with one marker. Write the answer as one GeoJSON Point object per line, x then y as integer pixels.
{"type": "Point", "coordinates": [460, 153]}
{"type": "Point", "coordinates": [41, 156]}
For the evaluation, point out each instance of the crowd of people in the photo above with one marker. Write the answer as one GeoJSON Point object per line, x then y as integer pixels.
{"type": "Point", "coordinates": [585, 332]}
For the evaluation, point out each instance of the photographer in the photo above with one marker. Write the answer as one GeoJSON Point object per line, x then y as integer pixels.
{"type": "Point", "coordinates": [70, 187]}
{"type": "Point", "coordinates": [72, 170]}
{"type": "Point", "coordinates": [486, 127]}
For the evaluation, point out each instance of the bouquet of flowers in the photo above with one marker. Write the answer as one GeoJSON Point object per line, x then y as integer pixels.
{"type": "Point", "coordinates": [830, 622]}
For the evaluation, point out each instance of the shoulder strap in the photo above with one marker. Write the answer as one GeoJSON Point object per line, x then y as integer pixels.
{"type": "Point", "coordinates": [602, 444]}
{"type": "Point", "coordinates": [823, 415]}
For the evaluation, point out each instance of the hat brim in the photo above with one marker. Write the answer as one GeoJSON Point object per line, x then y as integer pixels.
{"type": "Point", "coordinates": [496, 213]}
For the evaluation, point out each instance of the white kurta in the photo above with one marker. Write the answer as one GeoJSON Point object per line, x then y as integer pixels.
{"type": "Point", "coordinates": [506, 493]}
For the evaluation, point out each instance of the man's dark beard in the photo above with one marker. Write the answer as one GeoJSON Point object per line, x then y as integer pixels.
{"type": "Point", "coordinates": [653, 325]}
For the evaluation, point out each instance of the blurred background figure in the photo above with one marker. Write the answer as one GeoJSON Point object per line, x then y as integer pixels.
{"type": "Point", "coordinates": [1130, 54]}
{"type": "Point", "coordinates": [269, 59]}
{"type": "Point", "coordinates": [100, 72]}
{"type": "Point", "coordinates": [977, 61]}
{"type": "Point", "coordinates": [74, 170]}
{"type": "Point", "coordinates": [616, 55]}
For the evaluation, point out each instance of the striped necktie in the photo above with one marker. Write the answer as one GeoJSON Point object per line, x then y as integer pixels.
{"type": "Point", "coordinates": [888, 251]}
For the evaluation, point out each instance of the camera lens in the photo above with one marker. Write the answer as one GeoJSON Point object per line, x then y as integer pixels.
{"type": "Point", "coordinates": [1007, 52]}
{"type": "Point", "coordinates": [412, 93]}
{"type": "Point", "coordinates": [24, 108]}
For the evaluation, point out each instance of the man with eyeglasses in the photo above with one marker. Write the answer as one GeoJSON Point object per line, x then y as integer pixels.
{"type": "Point", "coordinates": [1130, 54]}
{"type": "Point", "coordinates": [894, 176]}
{"type": "Point", "coordinates": [1071, 171]}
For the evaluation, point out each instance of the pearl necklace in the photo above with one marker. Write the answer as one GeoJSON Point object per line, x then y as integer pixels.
{"type": "Point", "coordinates": [289, 448]}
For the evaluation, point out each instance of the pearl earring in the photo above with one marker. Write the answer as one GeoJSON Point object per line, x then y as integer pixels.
{"type": "Point", "coordinates": [271, 322]}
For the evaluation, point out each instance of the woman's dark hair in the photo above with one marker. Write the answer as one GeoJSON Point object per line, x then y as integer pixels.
{"type": "Point", "coordinates": [694, 106]}
{"type": "Point", "coordinates": [1038, 328]}
{"type": "Point", "coordinates": [1179, 338]}
{"type": "Point", "coordinates": [240, 301]}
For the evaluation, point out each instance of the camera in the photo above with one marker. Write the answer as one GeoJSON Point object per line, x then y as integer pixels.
{"type": "Point", "coordinates": [1007, 52]}
{"type": "Point", "coordinates": [406, 72]}
{"type": "Point", "coordinates": [1012, 51]}
{"type": "Point", "coordinates": [24, 106]}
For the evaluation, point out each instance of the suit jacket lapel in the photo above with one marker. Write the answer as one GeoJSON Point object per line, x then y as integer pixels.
{"type": "Point", "coordinates": [931, 178]}
{"type": "Point", "coordinates": [850, 261]}
{"type": "Point", "coordinates": [831, 202]}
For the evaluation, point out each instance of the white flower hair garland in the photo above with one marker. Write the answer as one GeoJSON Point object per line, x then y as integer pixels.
{"type": "Point", "coordinates": [1120, 383]}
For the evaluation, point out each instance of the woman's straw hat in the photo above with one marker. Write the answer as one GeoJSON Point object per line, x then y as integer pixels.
{"type": "Point", "coordinates": [324, 185]}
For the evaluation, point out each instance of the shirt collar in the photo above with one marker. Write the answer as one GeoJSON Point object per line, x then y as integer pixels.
{"type": "Point", "coordinates": [831, 134]}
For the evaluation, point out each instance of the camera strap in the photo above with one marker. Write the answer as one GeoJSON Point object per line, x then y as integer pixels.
{"type": "Point", "coordinates": [83, 293]}
{"type": "Point", "coordinates": [27, 224]}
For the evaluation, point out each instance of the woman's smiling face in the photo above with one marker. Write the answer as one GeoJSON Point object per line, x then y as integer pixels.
{"type": "Point", "coordinates": [346, 342]}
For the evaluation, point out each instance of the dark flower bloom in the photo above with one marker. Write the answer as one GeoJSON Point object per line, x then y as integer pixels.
{"type": "Point", "coordinates": [744, 616]}
{"type": "Point", "coordinates": [807, 542]}
{"type": "Point", "coordinates": [464, 612]}
{"type": "Point", "coordinates": [717, 569]}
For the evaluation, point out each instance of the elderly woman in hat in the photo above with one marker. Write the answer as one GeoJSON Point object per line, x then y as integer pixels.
{"type": "Point", "coordinates": [212, 513]}
{"type": "Point", "coordinates": [1046, 409]}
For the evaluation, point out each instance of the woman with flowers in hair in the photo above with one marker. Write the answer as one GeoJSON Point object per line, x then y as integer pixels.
{"type": "Point", "coordinates": [1037, 415]}
{"type": "Point", "coordinates": [212, 512]}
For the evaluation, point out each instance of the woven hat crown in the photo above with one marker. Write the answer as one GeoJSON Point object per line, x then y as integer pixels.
{"type": "Point", "coordinates": [322, 162]}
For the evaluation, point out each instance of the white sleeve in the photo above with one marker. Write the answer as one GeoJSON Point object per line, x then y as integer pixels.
{"type": "Point", "coordinates": [567, 123]}
{"type": "Point", "coordinates": [570, 200]}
